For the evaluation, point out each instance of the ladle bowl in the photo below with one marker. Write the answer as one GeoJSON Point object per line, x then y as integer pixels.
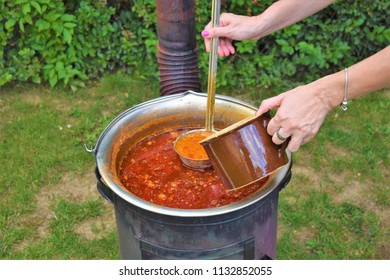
{"type": "Point", "coordinates": [191, 152]}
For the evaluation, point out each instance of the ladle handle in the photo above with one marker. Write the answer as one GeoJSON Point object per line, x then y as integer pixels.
{"type": "Point", "coordinates": [212, 83]}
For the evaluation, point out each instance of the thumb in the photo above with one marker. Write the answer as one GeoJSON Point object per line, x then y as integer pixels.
{"type": "Point", "coordinates": [214, 32]}
{"type": "Point", "coordinates": [269, 104]}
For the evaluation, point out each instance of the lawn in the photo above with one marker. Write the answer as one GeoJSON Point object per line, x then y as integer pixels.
{"type": "Point", "coordinates": [335, 207]}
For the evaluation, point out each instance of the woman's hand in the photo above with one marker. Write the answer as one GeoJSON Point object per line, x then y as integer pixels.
{"type": "Point", "coordinates": [300, 115]}
{"type": "Point", "coordinates": [231, 27]}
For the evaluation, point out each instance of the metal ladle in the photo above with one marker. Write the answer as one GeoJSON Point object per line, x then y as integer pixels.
{"type": "Point", "coordinates": [212, 75]}
{"type": "Point", "coordinates": [201, 164]}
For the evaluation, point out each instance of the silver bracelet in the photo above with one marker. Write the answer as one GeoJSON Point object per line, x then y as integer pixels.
{"type": "Point", "coordinates": [344, 104]}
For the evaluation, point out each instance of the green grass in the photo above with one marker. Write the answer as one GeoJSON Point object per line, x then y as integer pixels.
{"type": "Point", "coordinates": [42, 135]}
{"type": "Point", "coordinates": [334, 207]}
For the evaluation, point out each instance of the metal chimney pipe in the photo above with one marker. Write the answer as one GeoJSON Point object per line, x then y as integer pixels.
{"type": "Point", "coordinates": [177, 48]}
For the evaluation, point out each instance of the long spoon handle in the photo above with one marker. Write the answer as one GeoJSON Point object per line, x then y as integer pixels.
{"type": "Point", "coordinates": [212, 83]}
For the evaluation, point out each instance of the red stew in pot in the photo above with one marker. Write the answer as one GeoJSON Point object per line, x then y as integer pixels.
{"type": "Point", "coordinates": [154, 172]}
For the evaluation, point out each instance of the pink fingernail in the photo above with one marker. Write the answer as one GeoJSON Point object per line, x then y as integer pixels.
{"type": "Point", "coordinates": [205, 33]}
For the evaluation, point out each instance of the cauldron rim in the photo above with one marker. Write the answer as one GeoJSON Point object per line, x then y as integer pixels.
{"type": "Point", "coordinates": [276, 180]}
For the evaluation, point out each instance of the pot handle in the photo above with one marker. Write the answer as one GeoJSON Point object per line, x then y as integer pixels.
{"type": "Point", "coordinates": [90, 149]}
{"type": "Point", "coordinates": [104, 191]}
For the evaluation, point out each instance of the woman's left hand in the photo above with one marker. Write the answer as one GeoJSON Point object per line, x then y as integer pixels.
{"type": "Point", "coordinates": [300, 114]}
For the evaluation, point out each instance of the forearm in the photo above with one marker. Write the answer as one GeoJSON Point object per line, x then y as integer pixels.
{"type": "Point", "coordinates": [364, 77]}
{"type": "Point", "coordinates": [284, 13]}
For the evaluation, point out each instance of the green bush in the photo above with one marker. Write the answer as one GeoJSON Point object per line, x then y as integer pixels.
{"type": "Point", "coordinates": [68, 42]}
{"type": "Point", "coordinates": [337, 37]}
{"type": "Point", "coordinates": [72, 41]}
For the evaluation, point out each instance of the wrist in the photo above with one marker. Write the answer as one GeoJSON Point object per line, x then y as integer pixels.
{"type": "Point", "coordinates": [330, 89]}
{"type": "Point", "coordinates": [265, 24]}
{"type": "Point", "coordinates": [259, 27]}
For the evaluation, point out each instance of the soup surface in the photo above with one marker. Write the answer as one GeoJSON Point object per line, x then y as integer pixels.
{"type": "Point", "coordinates": [153, 171]}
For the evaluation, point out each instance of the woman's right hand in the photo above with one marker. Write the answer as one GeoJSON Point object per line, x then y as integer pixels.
{"type": "Point", "coordinates": [231, 27]}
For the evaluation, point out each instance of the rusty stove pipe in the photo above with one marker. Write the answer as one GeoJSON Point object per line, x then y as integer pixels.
{"type": "Point", "coordinates": [177, 48]}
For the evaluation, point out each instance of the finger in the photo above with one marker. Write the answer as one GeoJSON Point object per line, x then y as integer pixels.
{"type": "Point", "coordinates": [280, 136]}
{"type": "Point", "coordinates": [223, 49]}
{"type": "Point", "coordinates": [269, 104]}
{"type": "Point", "coordinates": [232, 50]}
{"type": "Point", "coordinates": [218, 31]}
{"type": "Point", "coordinates": [272, 127]}
{"type": "Point", "coordinates": [294, 143]}
{"type": "Point", "coordinates": [229, 49]}
{"type": "Point", "coordinates": [207, 43]}
{"type": "Point", "coordinates": [221, 52]}
{"type": "Point", "coordinates": [308, 137]}
{"type": "Point", "coordinates": [205, 34]}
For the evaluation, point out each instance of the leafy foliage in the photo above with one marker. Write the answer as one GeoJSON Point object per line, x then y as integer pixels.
{"type": "Point", "coordinates": [69, 42]}
{"type": "Point", "coordinates": [72, 41]}
{"type": "Point", "coordinates": [338, 36]}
